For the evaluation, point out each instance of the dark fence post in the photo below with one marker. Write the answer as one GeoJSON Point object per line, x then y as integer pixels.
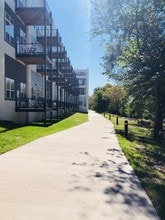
{"type": "Point", "coordinates": [126, 128]}
{"type": "Point", "coordinates": [117, 120]}
{"type": "Point", "coordinates": [109, 116]}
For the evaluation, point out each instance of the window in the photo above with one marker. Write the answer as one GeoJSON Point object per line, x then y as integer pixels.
{"type": "Point", "coordinates": [22, 90]}
{"type": "Point", "coordinates": [22, 37]}
{"type": "Point", "coordinates": [33, 91]}
{"type": "Point", "coordinates": [21, 3]}
{"type": "Point", "coordinates": [82, 81]}
{"type": "Point", "coordinates": [21, 42]}
{"type": "Point", "coordinates": [54, 49]}
{"type": "Point", "coordinates": [10, 89]}
{"type": "Point", "coordinates": [81, 74]}
{"type": "Point", "coordinates": [9, 29]}
{"type": "Point", "coordinates": [82, 91]}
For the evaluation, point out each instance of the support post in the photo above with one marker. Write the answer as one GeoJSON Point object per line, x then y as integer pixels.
{"type": "Point", "coordinates": [117, 120]}
{"type": "Point", "coordinates": [126, 128]}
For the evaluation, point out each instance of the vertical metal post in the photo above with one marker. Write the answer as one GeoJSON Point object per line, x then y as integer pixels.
{"type": "Point", "coordinates": [45, 62]}
{"type": "Point", "coordinates": [57, 93]}
{"type": "Point", "coordinates": [126, 128]}
{"type": "Point", "coordinates": [57, 64]}
{"type": "Point", "coordinates": [117, 120]}
{"type": "Point", "coordinates": [51, 75]}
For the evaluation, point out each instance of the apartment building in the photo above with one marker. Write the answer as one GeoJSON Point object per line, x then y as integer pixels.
{"type": "Point", "coordinates": [37, 80]}
{"type": "Point", "coordinates": [83, 82]}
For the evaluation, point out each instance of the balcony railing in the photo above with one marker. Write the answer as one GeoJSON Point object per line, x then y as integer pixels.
{"type": "Point", "coordinates": [32, 104]}
{"type": "Point", "coordinates": [33, 4]}
{"type": "Point", "coordinates": [29, 48]}
{"type": "Point", "coordinates": [52, 36]}
{"type": "Point", "coordinates": [49, 33]}
{"type": "Point", "coordinates": [32, 53]}
{"type": "Point", "coordinates": [48, 68]}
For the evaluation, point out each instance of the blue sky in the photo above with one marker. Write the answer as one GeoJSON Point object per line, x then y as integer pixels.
{"type": "Point", "coordinates": [72, 18]}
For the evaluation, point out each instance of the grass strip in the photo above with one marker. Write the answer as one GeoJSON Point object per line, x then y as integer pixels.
{"type": "Point", "coordinates": [13, 135]}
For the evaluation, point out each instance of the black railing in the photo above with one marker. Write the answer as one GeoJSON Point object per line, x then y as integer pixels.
{"type": "Point", "coordinates": [35, 4]}
{"type": "Point", "coordinates": [41, 67]}
{"type": "Point", "coordinates": [32, 103]}
{"type": "Point", "coordinates": [41, 33]}
{"type": "Point", "coordinates": [31, 49]}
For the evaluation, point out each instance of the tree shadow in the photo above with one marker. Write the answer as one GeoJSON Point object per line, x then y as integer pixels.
{"type": "Point", "coordinates": [121, 179]}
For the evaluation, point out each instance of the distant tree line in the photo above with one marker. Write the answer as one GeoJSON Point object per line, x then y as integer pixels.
{"type": "Point", "coordinates": [133, 37]}
{"type": "Point", "coordinates": [115, 99]}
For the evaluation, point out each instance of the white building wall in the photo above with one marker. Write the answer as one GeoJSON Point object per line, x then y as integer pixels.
{"type": "Point", "coordinates": [83, 98]}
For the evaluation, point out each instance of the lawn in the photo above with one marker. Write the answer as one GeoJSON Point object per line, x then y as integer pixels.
{"type": "Point", "coordinates": [14, 135]}
{"type": "Point", "coordinates": [147, 159]}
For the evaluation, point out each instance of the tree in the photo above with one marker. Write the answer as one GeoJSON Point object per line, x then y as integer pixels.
{"type": "Point", "coordinates": [99, 101]}
{"type": "Point", "coordinates": [117, 99]}
{"type": "Point", "coordinates": [111, 99]}
{"type": "Point", "coordinates": [134, 42]}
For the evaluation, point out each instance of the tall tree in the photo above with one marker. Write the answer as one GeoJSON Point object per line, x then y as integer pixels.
{"type": "Point", "coordinates": [110, 98]}
{"type": "Point", "coordinates": [134, 42]}
{"type": "Point", "coordinates": [98, 100]}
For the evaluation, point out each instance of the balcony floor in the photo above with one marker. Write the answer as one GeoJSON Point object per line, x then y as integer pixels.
{"type": "Point", "coordinates": [33, 59]}
{"type": "Point", "coordinates": [34, 16]}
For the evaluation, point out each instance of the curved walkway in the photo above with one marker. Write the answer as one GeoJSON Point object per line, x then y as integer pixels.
{"type": "Point", "coordinates": [77, 174]}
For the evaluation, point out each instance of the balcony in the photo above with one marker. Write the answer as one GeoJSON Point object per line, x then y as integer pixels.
{"type": "Point", "coordinates": [32, 104]}
{"type": "Point", "coordinates": [52, 37]}
{"type": "Point", "coordinates": [36, 14]}
{"type": "Point", "coordinates": [32, 54]}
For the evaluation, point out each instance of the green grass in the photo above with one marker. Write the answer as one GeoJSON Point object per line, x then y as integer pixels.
{"type": "Point", "coordinates": [147, 159]}
{"type": "Point", "coordinates": [13, 135]}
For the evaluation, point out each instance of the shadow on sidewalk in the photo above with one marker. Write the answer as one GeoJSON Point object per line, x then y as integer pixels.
{"type": "Point", "coordinates": [124, 186]}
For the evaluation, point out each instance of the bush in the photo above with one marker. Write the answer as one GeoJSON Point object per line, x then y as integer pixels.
{"type": "Point", "coordinates": [145, 123]}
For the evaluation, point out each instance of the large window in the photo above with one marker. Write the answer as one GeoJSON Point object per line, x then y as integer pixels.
{"type": "Point", "coordinates": [9, 29]}
{"type": "Point", "coordinates": [22, 90]}
{"type": "Point", "coordinates": [10, 89]}
{"type": "Point", "coordinates": [22, 36]}
{"type": "Point", "coordinates": [21, 40]}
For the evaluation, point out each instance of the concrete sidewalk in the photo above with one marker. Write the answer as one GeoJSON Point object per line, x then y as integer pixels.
{"type": "Point", "coordinates": [80, 173]}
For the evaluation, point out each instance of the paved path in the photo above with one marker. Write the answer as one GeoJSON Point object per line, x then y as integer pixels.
{"type": "Point", "coordinates": [77, 174]}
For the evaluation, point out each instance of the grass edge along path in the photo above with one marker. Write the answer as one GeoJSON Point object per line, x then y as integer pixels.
{"type": "Point", "coordinates": [146, 157]}
{"type": "Point", "coordinates": [13, 137]}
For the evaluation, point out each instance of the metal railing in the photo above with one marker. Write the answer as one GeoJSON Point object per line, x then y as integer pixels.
{"type": "Point", "coordinates": [32, 103]}
{"type": "Point", "coordinates": [33, 4]}
{"type": "Point", "coordinates": [41, 33]}
{"type": "Point", "coordinates": [31, 49]}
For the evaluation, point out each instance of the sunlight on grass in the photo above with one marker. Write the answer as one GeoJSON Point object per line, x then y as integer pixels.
{"type": "Point", "coordinates": [15, 137]}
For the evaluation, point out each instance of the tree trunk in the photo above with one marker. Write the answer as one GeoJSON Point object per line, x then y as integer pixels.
{"type": "Point", "coordinates": [158, 122]}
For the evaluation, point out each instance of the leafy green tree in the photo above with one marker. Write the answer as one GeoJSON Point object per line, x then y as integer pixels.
{"type": "Point", "coordinates": [134, 40]}
{"type": "Point", "coordinates": [117, 99]}
{"type": "Point", "coordinates": [110, 98]}
{"type": "Point", "coordinates": [99, 104]}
